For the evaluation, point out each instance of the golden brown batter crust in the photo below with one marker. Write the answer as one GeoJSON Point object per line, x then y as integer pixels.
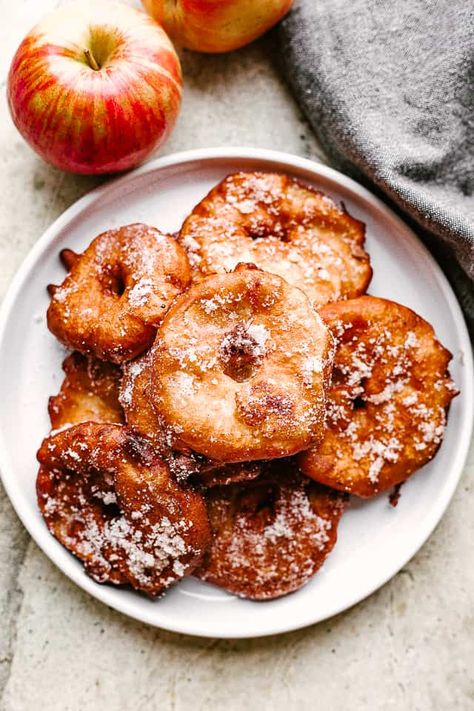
{"type": "Point", "coordinates": [117, 292]}
{"type": "Point", "coordinates": [107, 497]}
{"type": "Point", "coordinates": [239, 368]}
{"type": "Point", "coordinates": [388, 400]}
{"type": "Point", "coordinates": [270, 535]}
{"type": "Point", "coordinates": [285, 228]}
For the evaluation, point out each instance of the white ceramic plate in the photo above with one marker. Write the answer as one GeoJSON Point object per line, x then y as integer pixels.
{"type": "Point", "coordinates": [375, 540]}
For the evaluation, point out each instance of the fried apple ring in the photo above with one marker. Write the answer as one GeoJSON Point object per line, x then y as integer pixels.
{"type": "Point", "coordinates": [239, 368]}
{"type": "Point", "coordinates": [89, 392]}
{"type": "Point", "coordinates": [388, 400]}
{"type": "Point", "coordinates": [271, 535]}
{"type": "Point", "coordinates": [107, 497]}
{"type": "Point", "coordinates": [117, 292]}
{"type": "Point", "coordinates": [285, 228]}
{"type": "Point", "coordinates": [141, 416]}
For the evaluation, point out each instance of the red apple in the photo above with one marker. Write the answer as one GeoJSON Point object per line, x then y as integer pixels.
{"type": "Point", "coordinates": [216, 25]}
{"type": "Point", "coordinates": [95, 87]}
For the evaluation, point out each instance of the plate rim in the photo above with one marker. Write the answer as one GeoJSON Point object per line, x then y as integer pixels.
{"type": "Point", "coordinates": [289, 161]}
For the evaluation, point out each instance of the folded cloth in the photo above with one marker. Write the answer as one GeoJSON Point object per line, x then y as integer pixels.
{"type": "Point", "coordinates": [389, 90]}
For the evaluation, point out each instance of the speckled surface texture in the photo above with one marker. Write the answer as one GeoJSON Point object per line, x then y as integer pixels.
{"type": "Point", "coordinates": [409, 646]}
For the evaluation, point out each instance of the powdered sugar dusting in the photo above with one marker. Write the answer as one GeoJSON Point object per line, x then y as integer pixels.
{"type": "Point", "coordinates": [139, 294]}
{"type": "Point", "coordinates": [248, 339]}
{"type": "Point", "coordinates": [284, 228]}
{"type": "Point", "coordinates": [132, 371]}
{"type": "Point", "coordinates": [141, 549]}
{"type": "Point", "coordinates": [273, 539]}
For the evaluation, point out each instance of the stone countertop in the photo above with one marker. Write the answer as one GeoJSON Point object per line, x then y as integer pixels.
{"type": "Point", "coordinates": [409, 646]}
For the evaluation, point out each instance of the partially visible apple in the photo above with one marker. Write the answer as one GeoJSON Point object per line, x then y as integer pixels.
{"type": "Point", "coordinates": [95, 87]}
{"type": "Point", "coordinates": [216, 25]}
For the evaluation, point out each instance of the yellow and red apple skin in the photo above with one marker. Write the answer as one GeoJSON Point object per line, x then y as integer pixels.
{"type": "Point", "coordinates": [216, 25]}
{"type": "Point", "coordinates": [93, 121]}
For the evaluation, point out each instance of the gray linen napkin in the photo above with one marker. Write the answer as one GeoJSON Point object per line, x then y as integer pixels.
{"type": "Point", "coordinates": [389, 89]}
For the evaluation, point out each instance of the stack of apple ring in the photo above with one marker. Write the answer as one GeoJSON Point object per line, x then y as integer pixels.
{"type": "Point", "coordinates": [229, 387]}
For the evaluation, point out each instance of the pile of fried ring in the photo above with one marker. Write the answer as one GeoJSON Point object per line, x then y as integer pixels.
{"type": "Point", "coordinates": [228, 388]}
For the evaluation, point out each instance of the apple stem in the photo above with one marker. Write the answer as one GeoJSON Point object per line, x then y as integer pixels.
{"type": "Point", "coordinates": [91, 60]}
